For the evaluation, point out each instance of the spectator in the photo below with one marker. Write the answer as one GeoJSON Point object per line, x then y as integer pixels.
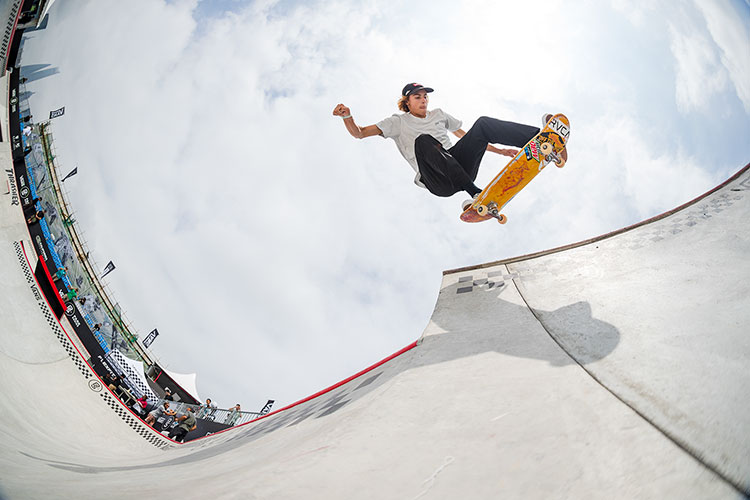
{"type": "Point", "coordinates": [160, 412]}
{"type": "Point", "coordinates": [72, 294]}
{"type": "Point", "coordinates": [142, 405]}
{"type": "Point", "coordinates": [27, 131]}
{"type": "Point", "coordinates": [233, 416]}
{"type": "Point", "coordinates": [168, 395]}
{"type": "Point", "coordinates": [33, 202]}
{"type": "Point", "coordinates": [39, 215]}
{"type": "Point", "coordinates": [114, 381]}
{"type": "Point", "coordinates": [185, 424]}
{"type": "Point", "coordinates": [61, 273]}
{"type": "Point", "coordinates": [207, 410]}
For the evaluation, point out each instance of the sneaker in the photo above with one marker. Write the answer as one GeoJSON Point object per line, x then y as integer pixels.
{"type": "Point", "coordinates": [467, 203]}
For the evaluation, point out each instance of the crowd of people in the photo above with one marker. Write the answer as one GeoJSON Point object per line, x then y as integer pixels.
{"type": "Point", "coordinates": [176, 424]}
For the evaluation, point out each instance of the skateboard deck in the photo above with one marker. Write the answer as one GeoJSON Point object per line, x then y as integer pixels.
{"type": "Point", "coordinates": [539, 152]}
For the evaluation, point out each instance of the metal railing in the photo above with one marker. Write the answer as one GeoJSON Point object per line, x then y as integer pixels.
{"type": "Point", "coordinates": [70, 250]}
{"type": "Point", "coordinates": [228, 417]}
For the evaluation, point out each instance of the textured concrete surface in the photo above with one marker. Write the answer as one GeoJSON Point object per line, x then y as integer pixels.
{"type": "Point", "coordinates": [612, 369]}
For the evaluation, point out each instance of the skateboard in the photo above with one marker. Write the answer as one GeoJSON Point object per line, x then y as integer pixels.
{"type": "Point", "coordinates": [539, 152]}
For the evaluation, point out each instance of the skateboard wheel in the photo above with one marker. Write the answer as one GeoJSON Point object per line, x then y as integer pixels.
{"type": "Point", "coordinates": [560, 163]}
{"type": "Point", "coordinates": [482, 210]}
{"type": "Point", "coordinates": [502, 219]}
{"type": "Point", "coordinates": [546, 148]}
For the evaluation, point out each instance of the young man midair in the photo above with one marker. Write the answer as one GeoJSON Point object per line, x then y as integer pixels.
{"type": "Point", "coordinates": [421, 136]}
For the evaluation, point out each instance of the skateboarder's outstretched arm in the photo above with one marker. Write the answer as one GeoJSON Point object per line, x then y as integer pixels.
{"type": "Point", "coordinates": [505, 152]}
{"type": "Point", "coordinates": [355, 130]}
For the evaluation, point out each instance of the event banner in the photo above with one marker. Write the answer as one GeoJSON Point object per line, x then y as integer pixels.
{"type": "Point", "coordinates": [110, 267]}
{"type": "Point", "coordinates": [267, 408]}
{"type": "Point", "coordinates": [150, 337]}
{"type": "Point", "coordinates": [56, 113]}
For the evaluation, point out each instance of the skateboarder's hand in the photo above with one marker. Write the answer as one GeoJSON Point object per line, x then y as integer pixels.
{"type": "Point", "coordinates": [341, 110]}
{"type": "Point", "coordinates": [504, 152]}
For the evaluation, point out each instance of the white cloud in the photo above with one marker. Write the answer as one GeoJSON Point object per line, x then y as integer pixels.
{"type": "Point", "coordinates": [636, 11]}
{"type": "Point", "coordinates": [727, 23]}
{"type": "Point", "coordinates": [699, 72]}
{"type": "Point", "coordinates": [275, 253]}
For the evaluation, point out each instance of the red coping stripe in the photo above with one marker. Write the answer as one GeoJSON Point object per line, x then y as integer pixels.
{"type": "Point", "coordinates": [345, 381]}
{"type": "Point", "coordinates": [51, 281]}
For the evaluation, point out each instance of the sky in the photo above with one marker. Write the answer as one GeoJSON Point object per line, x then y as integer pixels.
{"type": "Point", "coordinates": [278, 255]}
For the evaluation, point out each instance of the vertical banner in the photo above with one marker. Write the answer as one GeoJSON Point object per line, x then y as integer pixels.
{"type": "Point", "coordinates": [267, 408]}
{"type": "Point", "coordinates": [70, 174]}
{"type": "Point", "coordinates": [110, 267]}
{"type": "Point", "coordinates": [150, 337]}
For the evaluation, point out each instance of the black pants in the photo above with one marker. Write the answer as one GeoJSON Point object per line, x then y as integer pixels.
{"type": "Point", "coordinates": [445, 173]}
{"type": "Point", "coordinates": [178, 434]}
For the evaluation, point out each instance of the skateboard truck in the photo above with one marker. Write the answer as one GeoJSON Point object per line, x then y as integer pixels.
{"type": "Point", "coordinates": [559, 160]}
{"type": "Point", "coordinates": [491, 209]}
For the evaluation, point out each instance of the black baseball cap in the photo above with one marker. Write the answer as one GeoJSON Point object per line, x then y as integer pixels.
{"type": "Point", "coordinates": [410, 88]}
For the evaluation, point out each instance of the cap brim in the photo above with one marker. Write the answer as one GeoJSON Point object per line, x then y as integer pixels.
{"type": "Point", "coordinates": [426, 89]}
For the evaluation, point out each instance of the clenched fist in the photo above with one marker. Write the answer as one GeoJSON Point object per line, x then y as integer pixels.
{"type": "Point", "coordinates": [341, 110]}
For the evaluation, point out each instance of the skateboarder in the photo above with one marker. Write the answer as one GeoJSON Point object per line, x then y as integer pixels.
{"type": "Point", "coordinates": [421, 137]}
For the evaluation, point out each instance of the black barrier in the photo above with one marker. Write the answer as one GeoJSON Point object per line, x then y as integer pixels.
{"type": "Point", "coordinates": [14, 121]}
{"type": "Point", "coordinates": [98, 359]}
{"type": "Point", "coordinates": [51, 289]}
{"type": "Point", "coordinates": [48, 288]}
{"type": "Point", "coordinates": [203, 428]}
{"type": "Point", "coordinates": [15, 44]}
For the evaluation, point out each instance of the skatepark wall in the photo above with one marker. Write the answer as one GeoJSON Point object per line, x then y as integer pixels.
{"type": "Point", "coordinates": [658, 314]}
{"type": "Point", "coordinates": [10, 12]}
{"type": "Point", "coordinates": [83, 319]}
{"type": "Point", "coordinates": [570, 246]}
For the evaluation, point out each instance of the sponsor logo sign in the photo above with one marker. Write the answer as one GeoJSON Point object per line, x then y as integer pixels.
{"type": "Point", "coordinates": [532, 151]}
{"type": "Point", "coordinates": [13, 190]}
{"type": "Point", "coordinates": [70, 312]}
{"type": "Point", "coordinates": [25, 192]}
{"type": "Point", "coordinates": [39, 244]}
{"type": "Point", "coordinates": [560, 128]}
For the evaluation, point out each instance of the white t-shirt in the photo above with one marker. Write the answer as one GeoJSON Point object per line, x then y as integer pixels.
{"type": "Point", "coordinates": [404, 128]}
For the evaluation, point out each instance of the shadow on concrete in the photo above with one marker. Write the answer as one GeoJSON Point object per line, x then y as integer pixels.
{"type": "Point", "coordinates": [502, 327]}
{"type": "Point", "coordinates": [34, 72]}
